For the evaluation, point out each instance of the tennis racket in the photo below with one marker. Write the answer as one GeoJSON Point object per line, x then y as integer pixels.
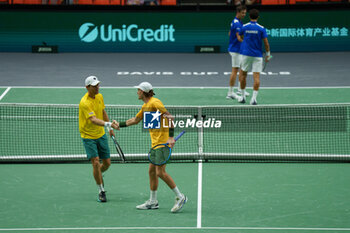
{"type": "Point", "coordinates": [160, 154]}
{"type": "Point", "coordinates": [117, 147]}
{"type": "Point", "coordinates": [265, 63]}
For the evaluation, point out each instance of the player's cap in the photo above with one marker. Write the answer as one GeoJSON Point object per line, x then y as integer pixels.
{"type": "Point", "coordinates": [91, 80]}
{"type": "Point", "coordinates": [145, 86]}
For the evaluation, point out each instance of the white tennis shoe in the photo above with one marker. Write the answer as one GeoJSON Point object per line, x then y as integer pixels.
{"type": "Point", "coordinates": [241, 99]}
{"type": "Point", "coordinates": [253, 102]}
{"type": "Point", "coordinates": [239, 92]}
{"type": "Point", "coordinates": [231, 95]}
{"type": "Point", "coordinates": [148, 205]}
{"type": "Point", "coordinates": [179, 203]}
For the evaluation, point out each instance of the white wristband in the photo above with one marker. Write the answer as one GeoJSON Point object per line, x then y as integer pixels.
{"type": "Point", "coordinates": [108, 124]}
{"type": "Point", "coordinates": [268, 53]}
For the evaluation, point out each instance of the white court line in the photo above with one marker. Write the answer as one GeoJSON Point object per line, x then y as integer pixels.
{"type": "Point", "coordinates": [176, 228]}
{"type": "Point", "coordinates": [199, 198]}
{"type": "Point", "coordinates": [5, 92]}
{"type": "Point", "coordinates": [278, 228]}
{"type": "Point", "coordinates": [179, 87]}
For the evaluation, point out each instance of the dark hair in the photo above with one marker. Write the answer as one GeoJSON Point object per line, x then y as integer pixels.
{"type": "Point", "coordinates": [241, 8]}
{"type": "Point", "coordinates": [149, 94]}
{"type": "Point", "coordinates": [254, 14]}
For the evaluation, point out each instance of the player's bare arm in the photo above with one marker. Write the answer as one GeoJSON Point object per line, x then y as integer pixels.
{"type": "Point", "coordinates": [239, 37]}
{"type": "Point", "coordinates": [171, 140]}
{"type": "Point", "coordinates": [100, 122]}
{"type": "Point", "coordinates": [131, 121]}
{"type": "Point", "coordinates": [106, 118]}
{"type": "Point", "coordinates": [267, 49]}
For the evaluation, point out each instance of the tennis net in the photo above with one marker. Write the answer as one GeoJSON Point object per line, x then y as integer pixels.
{"type": "Point", "coordinates": [48, 132]}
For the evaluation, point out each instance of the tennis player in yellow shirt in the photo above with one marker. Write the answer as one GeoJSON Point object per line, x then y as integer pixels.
{"type": "Point", "coordinates": [158, 136]}
{"type": "Point", "coordinates": [92, 120]}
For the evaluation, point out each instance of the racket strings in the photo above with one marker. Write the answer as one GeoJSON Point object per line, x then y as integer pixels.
{"type": "Point", "coordinates": [159, 154]}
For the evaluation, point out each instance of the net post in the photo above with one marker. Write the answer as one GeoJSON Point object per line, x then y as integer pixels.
{"type": "Point", "coordinates": [200, 136]}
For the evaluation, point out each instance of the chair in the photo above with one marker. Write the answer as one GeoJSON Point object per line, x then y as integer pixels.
{"type": "Point", "coordinates": [273, 2]}
{"type": "Point", "coordinates": [32, 2]}
{"type": "Point", "coordinates": [27, 2]}
{"type": "Point", "coordinates": [168, 2]}
{"type": "Point", "coordinates": [115, 2]}
{"type": "Point", "coordinates": [85, 2]}
{"type": "Point", "coordinates": [299, 1]}
{"type": "Point", "coordinates": [100, 2]}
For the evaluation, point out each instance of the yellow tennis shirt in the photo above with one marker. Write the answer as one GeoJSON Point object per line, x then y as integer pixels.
{"type": "Point", "coordinates": [89, 107]}
{"type": "Point", "coordinates": [158, 136]}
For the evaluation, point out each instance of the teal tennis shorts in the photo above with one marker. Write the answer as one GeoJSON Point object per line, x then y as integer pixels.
{"type": "Point", "coordinates": [97, 147]}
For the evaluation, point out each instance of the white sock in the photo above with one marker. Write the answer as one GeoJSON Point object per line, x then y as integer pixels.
{"type": "Point", "coordinates": [255, 94]}
{"type": "Point", "coordinates": [230, 90]}
{"type": "Point", "coordinates": [239, 85]}
{"type": "Point", "coordinates": [243, 93]}
{"type": "Point", "coordinates": [177, 192]}
{"type": "Point", "coordinates": [100, 188]}
{"type": "Point", "coordinates": [153, 196]}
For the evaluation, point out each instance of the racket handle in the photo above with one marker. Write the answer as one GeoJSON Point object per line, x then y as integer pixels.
{"type": "Point", "coordinates": [179, 136]}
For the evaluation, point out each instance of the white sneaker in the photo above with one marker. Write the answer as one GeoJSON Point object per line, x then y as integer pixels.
{"type": "Point", "coordinates": [239, 92]}
{"type": "Point", "coordinates": [253, 102]}
{"type": "Point", "coordinates": [179, 203]}
{"type": "Point", "coordinates": [241, 99]}
{"type": "Point", "coordinates": [148, 205]}
{"type": "Point", "coordinates": [231, 96]}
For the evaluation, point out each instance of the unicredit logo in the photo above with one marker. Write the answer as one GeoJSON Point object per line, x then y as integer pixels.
{"type": "Point", "coordinates": [88, 32]}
